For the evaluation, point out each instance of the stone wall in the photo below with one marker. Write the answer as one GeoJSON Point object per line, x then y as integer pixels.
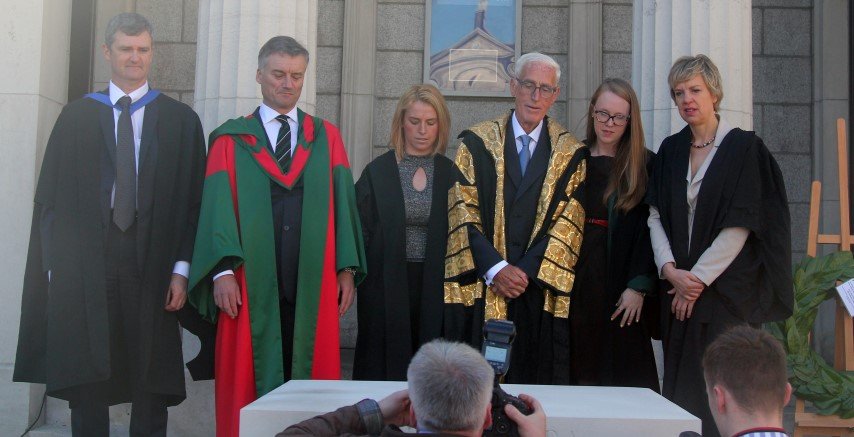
{"type": "Point", "coordinates": [330, 37]}
{"type": "Point", "coordinates": [782, 96]}
{"type": "Point", "coordinates": [617, 39]}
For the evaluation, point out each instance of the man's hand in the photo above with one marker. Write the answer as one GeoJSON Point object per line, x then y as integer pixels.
{"type": "Point", "coordinates": [176, 297]}
{"type": "Point", "coordinates": [630, 304]}
{"type": "Point", "coordinates": [681, 307]}
{"type": "Point", "coordinates": [510, 282]}
{"type": "Point", "coordinates": [346, 291]}
{"type": "Point", "coordinates": [533, 425]}
{"type": "Point", "coordinates": [686, 284]}
{"type": "Point", "coordinates": [227, 294]}
{"type": "Point", "coordinates": [395, 408]}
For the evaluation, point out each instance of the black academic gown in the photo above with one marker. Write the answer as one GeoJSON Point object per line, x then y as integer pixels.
{"type": "Point", "coordinates": [64, 331]}
{"type": "Point", "coordinates": [623, 355]}
{"type": "Point", "coordinates": [384, 345]}
{"type": "Point", "coordinates": [743, 187]}
{"type": "Point", "coordinates": [542, 243]}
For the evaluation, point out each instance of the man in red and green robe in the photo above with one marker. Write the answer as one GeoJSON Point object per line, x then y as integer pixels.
{"type": "Point", "coordinates": [279, 319]}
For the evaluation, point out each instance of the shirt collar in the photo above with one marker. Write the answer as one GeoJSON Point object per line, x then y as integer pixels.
{"type": "Point", "coordinates": [116, 93]}
{"type": "Point", "coordinates": [517, 129]}
{"type": "Point", "coordinates": [268, 114]}
{"type": "Point", "coordinates": [723, 129]}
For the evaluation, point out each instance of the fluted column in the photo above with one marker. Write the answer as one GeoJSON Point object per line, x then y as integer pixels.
{"type": "Point", "coordinates": [664, 30]}
{"type": "Point", "coordinates": [357, 81]}
{"type": "Point", "coordinates": [584, 68]}
{"type": "Point", "coordinates": [230, 33]}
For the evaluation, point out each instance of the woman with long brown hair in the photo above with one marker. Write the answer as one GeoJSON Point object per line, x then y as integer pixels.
{"type": "Point", "coordinates": [612, 312]}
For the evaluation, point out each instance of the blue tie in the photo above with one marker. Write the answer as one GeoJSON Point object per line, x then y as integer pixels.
{"type": "Point", "coordinates": [525, 153]}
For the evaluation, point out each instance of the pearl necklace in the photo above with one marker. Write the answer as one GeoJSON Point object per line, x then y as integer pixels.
{"type": "Point", "coordinates": [702, 146]}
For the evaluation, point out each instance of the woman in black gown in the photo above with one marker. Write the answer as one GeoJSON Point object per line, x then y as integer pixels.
{"type": "Point", "coordinates": [719, 224]}
{"type": "Point", "coordinates": [613, 310]}
{"type": "Point", "coordinates": [403, 205]}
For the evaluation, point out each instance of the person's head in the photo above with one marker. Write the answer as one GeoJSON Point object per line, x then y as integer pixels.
{"type": "Point", "coordinates": [282, 62]}
{"type": "Point", "coordinates": [535, 87]}
{"type": "Point", "coordinates": [450, 386]}
{"type": "Point", "coordinates": [421, 122]}
{"type": "Point", "coordinates": [696, 87]}
{"type": "Point", "coordinates": [614, 122]}
{"type": "Point", "coordinates": [746, 379]}
{"type": "Point", "coordinates": [127, 47]}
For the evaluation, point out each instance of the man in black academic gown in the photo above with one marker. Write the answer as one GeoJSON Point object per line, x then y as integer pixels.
{"type": "Point", "coordinates": [113, 229]}
{"type": "Point", "coordinates": [515, 228]}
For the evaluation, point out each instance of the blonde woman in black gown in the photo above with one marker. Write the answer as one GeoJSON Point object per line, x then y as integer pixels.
{"type": "Point", "coordinates": [403, 201]}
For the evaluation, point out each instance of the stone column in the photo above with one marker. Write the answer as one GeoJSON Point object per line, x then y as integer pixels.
{"type": "Point", "coordinates": [584, 61]}
{"type": "Point", "coordinates": [357, 81]}
{"type": "Point", "coordinates": [33, 90]}
{"type": "Point", "coordinates": [230, 34]}
{"type": "Point", "coordinates": [664, 30]}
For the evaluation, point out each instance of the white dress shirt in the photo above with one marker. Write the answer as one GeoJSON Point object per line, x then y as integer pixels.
{"type": "Point", "coordinates": [271, 125]}
{"type": "Point", "coordinates": [725, 247]}
{"type": "Point", "coordinates": [518, 131]}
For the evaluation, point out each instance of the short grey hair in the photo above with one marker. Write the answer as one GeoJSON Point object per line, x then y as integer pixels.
{"type": "Point", "coordinates": [537, 58]}
{"type": "Point", "coordinates": [450, 385]}
{"type": "Point", "coordinates": [283, 45]}
{"type": "Point", "coordinates": [686, 67]}
{"type": "Point", "coordinates": [129, 23]}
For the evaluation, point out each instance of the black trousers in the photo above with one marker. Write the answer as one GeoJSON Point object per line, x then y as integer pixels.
{"type": "Point", "coordinates": [90, 415]}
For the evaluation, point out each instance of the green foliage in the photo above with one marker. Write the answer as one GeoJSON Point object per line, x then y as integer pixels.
{"type": "Point", "coordinates": [813, 379]}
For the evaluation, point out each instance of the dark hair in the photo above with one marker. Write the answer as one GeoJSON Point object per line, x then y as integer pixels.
{"type": "Point", "coordinates": [284, 45]}
{"type": "Point", "coordinates": [628, 178]}
{"type": "Point", "coordinates": [750, 364]}
{"type": "Point", "coordinates": [129, 23]}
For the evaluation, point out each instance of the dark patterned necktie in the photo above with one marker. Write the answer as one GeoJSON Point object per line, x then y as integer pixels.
{"type": "Point", "coordinates": [124, 203]}
{"type": "Point", "coordinates": [283, 143]}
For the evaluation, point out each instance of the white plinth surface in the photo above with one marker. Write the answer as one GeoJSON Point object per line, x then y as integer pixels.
{"type": "Point", "coordinates": [571, 411]}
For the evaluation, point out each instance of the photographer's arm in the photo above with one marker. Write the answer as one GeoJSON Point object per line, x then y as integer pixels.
{"type": "Point", "coordinates": [352, 420]}
{"type": "Point", "coordinates": [533, 425]}
{"type": "Point", "coordinates": [367, 417]}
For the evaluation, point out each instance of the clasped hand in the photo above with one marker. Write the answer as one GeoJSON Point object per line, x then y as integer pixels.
{"type": "Point", "coordinates": [686, 289]}
{"type": "Point", "coordinates": [509, 282]}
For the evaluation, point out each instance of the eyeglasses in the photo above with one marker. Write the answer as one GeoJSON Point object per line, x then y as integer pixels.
{"type": "Point", "coordinates": [603, 117]}
{"type": "Point", "coordinates": [545, 90]}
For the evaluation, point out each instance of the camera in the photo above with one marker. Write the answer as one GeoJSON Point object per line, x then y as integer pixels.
{"type": "Point", "coordinates": [497, 340]}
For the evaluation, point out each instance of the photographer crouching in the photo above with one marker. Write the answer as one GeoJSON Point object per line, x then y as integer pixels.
{"type": "Point", "coordinates": [450, 389]}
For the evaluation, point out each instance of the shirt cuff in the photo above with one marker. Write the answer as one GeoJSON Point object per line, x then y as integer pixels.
{"type": "Point", "coordinates": [490, 274]}
{"type": "Point", "coordinates": [371, 415]}
{"type": "Point", "coordinates": [223, 273]}
{"type": "Point", "coordinates": [182, 268]}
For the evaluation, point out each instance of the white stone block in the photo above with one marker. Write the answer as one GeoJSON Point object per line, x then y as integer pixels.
{"type": "Point", "coordinates": [570, 411]}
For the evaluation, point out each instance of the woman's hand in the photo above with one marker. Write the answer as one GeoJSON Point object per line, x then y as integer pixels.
{"type": "Point", "coordinates": [684, 282]}
{"type": "Point", "coordinates": [681, 307]}
{"type": "Point", "coordinates": [630, 304]}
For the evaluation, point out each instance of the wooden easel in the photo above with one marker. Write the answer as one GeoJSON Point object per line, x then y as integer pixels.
{"type": "Point", "coordinates": [811, 423]}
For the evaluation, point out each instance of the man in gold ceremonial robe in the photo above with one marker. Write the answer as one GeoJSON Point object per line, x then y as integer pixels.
{"type": "Point", "coordinates": [515, 228]}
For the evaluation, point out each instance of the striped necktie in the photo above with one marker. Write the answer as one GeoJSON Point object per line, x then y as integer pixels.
{"type": "Point", "coordinates": [282, 151]}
